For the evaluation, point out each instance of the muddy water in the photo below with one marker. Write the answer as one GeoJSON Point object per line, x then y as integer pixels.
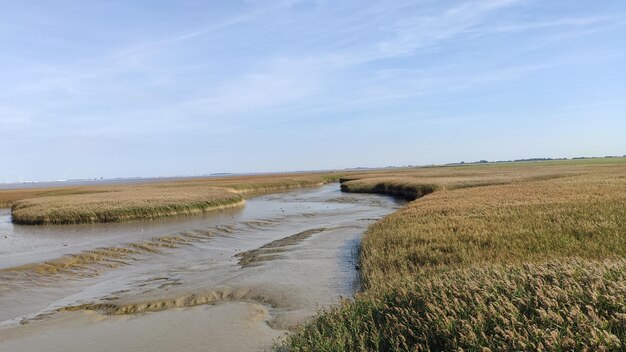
{"type": "Point", "coordinates": [231, 281]}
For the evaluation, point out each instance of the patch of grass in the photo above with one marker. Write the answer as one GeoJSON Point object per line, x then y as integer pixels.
{"type": "Point", "coordinates": [124, 205]}
{"type": "Point", "coordinates": [571, 305]}
{"type": "Point", "coordinates": [114, 203]}
{"type": "Point", "coordinates": [10, 196]}
{"type": "Point", "coordinates": [394, 186]}
{"type": "Point", "coordinates": [529, 220]}
{"type": "Point", "coordinates": [511, 257]}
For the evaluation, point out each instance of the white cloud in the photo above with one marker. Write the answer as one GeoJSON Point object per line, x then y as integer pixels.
{"type": "Point", "coordinates": [414, 32]}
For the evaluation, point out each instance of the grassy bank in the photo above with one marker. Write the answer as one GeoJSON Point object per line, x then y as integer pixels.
{"type": "Point", "coordinates": [124, 205]}
{"type": "Point", "coordinates": [552, 306]}
{"type": "Point", "coordinates": [513, 257]}
{"type": "Point", "coordinates": [95, 204]}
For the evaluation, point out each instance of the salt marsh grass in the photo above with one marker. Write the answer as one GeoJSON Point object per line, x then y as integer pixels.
{"type": "Point", "coordinates": [514, 257]}
{"type": "Point", "coordinates": [573, 305]}
{"type": "Point", "coordinates": [94, 204]}
{"type": "Point", "coordinates": [115, 206]}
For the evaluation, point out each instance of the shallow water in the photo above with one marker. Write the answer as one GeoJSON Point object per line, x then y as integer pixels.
{"type": "Point", "coordinates": [234, 280]}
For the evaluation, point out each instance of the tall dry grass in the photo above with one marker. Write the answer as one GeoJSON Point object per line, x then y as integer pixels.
{"type": "Point", "coordinates": [10, 196]}
{"type": "Point", "coordinates": [114, 203]}
{"type": "Point", "coordinates": [493, 258]}
{"type": "Point", "coordinates": [530, 220]}
{"type": "Point", "coordinates": [126, 205]}
{"type": "Point", "coordinates": [574, 305]}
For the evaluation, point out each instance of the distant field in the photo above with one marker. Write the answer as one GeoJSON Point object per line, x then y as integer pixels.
{"type": "Point", "coordinates": [92, 204]}
{"type": "Point", "coordinates": [514, 256]}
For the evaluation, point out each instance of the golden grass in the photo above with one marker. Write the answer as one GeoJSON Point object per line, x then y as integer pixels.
{"type": "Point", "coordinates": [115, 206]}
{"type": "Point", "coordinates": [573, 216]}
{"type": "Point", "coordinates": [10, 196]}
{"type": "Point", "coordinates": [552, 306]}
{"type": "Point", "coordinates": [515, 257]}
{"type": "Point", "coordinates": [91, 204]}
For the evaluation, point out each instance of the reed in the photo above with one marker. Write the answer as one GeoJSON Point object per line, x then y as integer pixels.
{"type": "Point", "coordinates": [122, 205]}
{"type": "Point", "coordinates": [10, 196]}
{"type": "Point", "coordinates": [576, 305]}
{"type": "Point", "coordinates": [513, 257]}
{"type": "Point", "coordinates": [115, 203]}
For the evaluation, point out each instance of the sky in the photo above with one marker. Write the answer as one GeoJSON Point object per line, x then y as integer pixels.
{"type": "Point", "coordinates": [187, 87]}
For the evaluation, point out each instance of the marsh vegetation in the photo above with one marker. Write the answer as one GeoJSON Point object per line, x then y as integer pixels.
{"type": "Point", "coordinates": [514, 257]}
{"type": "Point", "coordinates": [98, 204]}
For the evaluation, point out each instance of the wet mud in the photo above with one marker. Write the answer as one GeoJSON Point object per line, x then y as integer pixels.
{"type": "Point", "coordinates": [235, 280]}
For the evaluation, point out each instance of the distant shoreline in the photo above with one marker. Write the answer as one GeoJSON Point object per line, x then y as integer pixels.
{"type": "Point", "coordinates": [150, 179]}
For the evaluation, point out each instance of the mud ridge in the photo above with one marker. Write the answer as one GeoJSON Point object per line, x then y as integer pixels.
{"type": "Point", "coordinates": [90, 263]}
{"type": "Point", "coordinates": [189, 300]}
{"type": "Point", "coordinates": [272, 250]}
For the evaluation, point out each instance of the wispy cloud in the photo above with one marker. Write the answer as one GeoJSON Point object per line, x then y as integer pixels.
{"type": "Point", "coordinates": [281, 82]}
{"type": "Point", "coordinates": [232, 68]}
{"type": "Point", "coordinates": [137, 53]}
{"type": "Point", "coordinates": [414, 32]}
{"type": "Point", "coordinates": [539, 25]}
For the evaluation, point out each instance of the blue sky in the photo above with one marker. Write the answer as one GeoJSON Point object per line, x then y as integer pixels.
{"type": "Point", "coordinates": [149, 88]}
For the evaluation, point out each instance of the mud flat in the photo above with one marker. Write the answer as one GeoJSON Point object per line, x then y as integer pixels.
{"type": "Point", "coordinates": [235, 280]}
{"type": "Point", "coordinates": [231, 326]}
